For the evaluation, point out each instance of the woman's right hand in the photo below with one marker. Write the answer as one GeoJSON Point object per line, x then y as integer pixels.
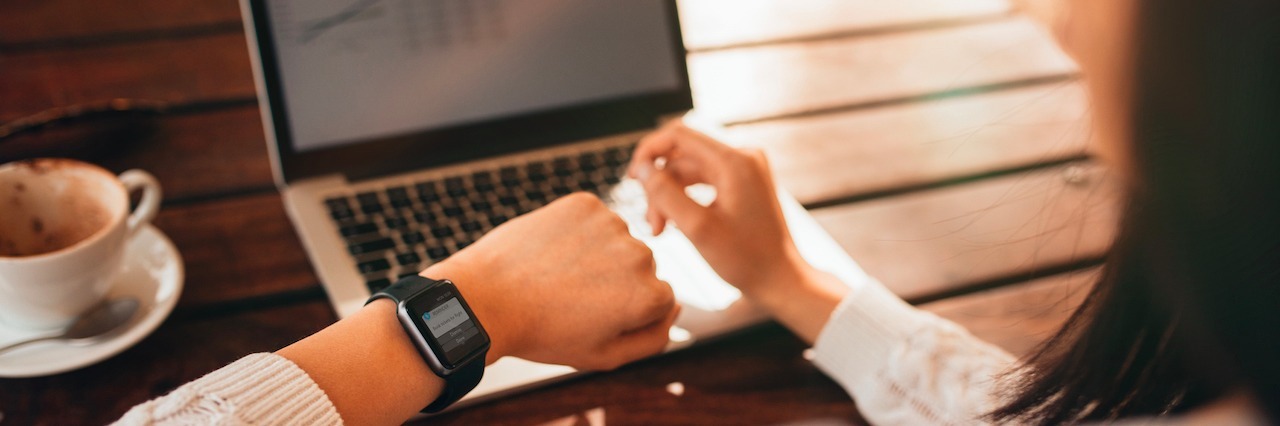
{"type": "Point", "coordinates": [565, 284]}
{"type": "Point", "coordinates": [742, 234]}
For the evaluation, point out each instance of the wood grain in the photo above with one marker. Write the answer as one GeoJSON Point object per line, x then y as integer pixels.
{"type": "Point", "coordinates": [1021, 316]}
{"type": "Point", "coordinates": [757, 83]}
{"type": "Point", "coordinates": [26, 21]}
{"type": "Point", "coordinates": [719, 23]}
{"type": "Point", "coordinates": [235, 249]}
{"type": "Point", "coordinates": [854, 154]}
{"type": "Point", "coordinates": [936, 241]}
{"type": "Point", "coordinates": [176, 353]}
{"type": "Point", "coordinates": [201, 69]}
{"type": "Point", "coordinates": [739, 84]}
{"type": "Point", "coordinates": [194, 155]}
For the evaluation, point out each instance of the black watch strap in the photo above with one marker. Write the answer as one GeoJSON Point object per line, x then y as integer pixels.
{"type": "Point", "coordinates": [462, 380]}
{"type": "Point", "coordinates": [457, 385]}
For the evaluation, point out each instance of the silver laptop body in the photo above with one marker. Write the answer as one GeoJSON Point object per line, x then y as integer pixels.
{"type": "Point", "coordinates": [401, 132]}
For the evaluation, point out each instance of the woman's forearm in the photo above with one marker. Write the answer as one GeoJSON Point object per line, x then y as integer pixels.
{"type": "Point", "coordinates": [799, 296]}
{"type": "Point", "coordinates": [367, 367]}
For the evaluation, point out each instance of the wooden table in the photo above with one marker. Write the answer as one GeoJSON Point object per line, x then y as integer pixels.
{"type": "Point", "coordinates": [942, 143]}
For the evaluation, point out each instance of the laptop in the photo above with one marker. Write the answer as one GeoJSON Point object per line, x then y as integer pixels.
{"type": "Point", "coordinates": [402, 131]}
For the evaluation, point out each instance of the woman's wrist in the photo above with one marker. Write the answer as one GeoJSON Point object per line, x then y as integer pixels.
{"type": "Point", "coordinates": [483, 296]}
{"type": "Point", "coordinates": [798, 295]}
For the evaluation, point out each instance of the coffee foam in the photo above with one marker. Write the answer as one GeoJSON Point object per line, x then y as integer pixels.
{"type": "Point", "coordinates": [48, 205]}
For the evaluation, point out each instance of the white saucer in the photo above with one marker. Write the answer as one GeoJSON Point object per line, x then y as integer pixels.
{"type": "Point", "coordinates": [152, 274]}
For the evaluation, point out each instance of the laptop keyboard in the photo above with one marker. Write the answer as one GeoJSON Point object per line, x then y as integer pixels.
{"type": "Point", "coordinates": [400, 229]}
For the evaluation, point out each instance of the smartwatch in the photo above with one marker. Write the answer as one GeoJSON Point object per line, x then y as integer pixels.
{"type": "Point", "coordinates": [445, 331]}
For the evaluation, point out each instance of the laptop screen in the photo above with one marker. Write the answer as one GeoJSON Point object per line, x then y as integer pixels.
{"type": "Point", "coordinates": [450, 80]}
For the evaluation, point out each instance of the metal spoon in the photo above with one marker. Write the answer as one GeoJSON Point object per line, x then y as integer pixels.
{"type": "Point", "coordinates": [91, 326]}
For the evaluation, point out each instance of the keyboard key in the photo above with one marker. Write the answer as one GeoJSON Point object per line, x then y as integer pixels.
{"type": "Point", "coordinates": [560, 190]}
{"type": "Point", "coordinates": [368, 198]}
{"type": "Point", "coordinates": [338, 203]}
{"type": "Point", "coordinates": [462, 244]}
{"type": "Point", "coordinates": [481, 177]}
{"type": "Point", "coordinates": [537, 172]}
{"type": "Point", "coordinates": [498, 219]}
{"type": "Point", "coordinates": [427, 192]}
{"type": "Point", "coordinates": [425, 218]}
{"type": "Point", "coordinates": [508, 200]}
{"type": "Point", "coordinates": [612, 179]}
{"type": "Point", "coordinates": [455, 187]}
{"type": "Point", "coordinates": [510, 177]}
{"type": "Point", "coordinates": [589, 161]}
{"type": "Point", "coordinates": [471, 226]}
{"type": "Point", "coordinates": [357, 229]}
{"type": "Point", "coordinates": [372, 246]}
{"type": "Point", "coordinates": [563, 167]}
{"type": "Point", "coordinates": [409, 258]}
{"type": "Point", "coordinates": [453, 211]}
{"type": "Point", "coordinates": [413, 238]}
{"type": "Point", "coordinates": [374, 266]}
{"type": "Point", "coordinates": [396, 222]}
{"type": "Point", "coordinates": [341, 215]}
{"type": "Point", "coordinates": [481, 206]}
{"type": "Point", "coordinates": [441, 232]}
{"type": "Point", "coordinates": [397, 192]}
{"type": "Point", "coordinates": [399, 197]}
{"type": "Point", "coordinates": [617, 156]}
{"type": "Point", "coordinates": [377, 284]}
{"type": "Point", "coordinates": [437, 253]}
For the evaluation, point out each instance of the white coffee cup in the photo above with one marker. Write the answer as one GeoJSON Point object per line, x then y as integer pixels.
{"type": "Point", "coordinates": [64, 226]}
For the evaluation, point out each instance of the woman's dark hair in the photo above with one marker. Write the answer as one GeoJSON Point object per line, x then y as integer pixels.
{"type": "Point", "coordinates": [1187, 308]}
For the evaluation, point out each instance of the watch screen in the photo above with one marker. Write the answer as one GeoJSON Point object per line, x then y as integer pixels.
{"type": "Point", "coordinates": [448, 323]}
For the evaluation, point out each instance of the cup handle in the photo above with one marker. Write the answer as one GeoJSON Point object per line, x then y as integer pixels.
{"type": "Point", "coordinates": [134, 180]}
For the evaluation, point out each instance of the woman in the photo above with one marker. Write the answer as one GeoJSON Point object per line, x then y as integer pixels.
{"type": "Point", "coordinates": [1186, 316]}
{"type": "Point", "coordinates": [1182, 322]}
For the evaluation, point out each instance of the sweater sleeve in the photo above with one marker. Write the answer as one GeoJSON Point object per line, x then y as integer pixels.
{"type": "Point", "coordinates": [904, 366]}
{"type": "Point", "coordinates": [261, 389]}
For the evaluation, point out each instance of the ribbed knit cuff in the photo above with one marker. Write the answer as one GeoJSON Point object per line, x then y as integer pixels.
{"type": "Point", "coordinates": [269, 389]}
{"type": "Point", "coordinates": [862, 331]}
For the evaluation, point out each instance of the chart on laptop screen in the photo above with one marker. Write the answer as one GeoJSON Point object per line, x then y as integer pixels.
{"type": "Point", "coordinates": [355, 70]}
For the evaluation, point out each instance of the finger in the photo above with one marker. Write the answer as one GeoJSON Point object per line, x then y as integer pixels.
{"type": "Point", "coordinates": [667, 199]}
{"type": "Point", "coordinates": [679, 144]}
{"type": "Point", "coordinates": [642, 342]}
{"type": "Point", "coordinates": [660, 143]}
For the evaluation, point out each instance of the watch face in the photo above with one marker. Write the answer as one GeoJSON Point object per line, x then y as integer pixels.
{"type": "Point", "coordinates": [448, 324]}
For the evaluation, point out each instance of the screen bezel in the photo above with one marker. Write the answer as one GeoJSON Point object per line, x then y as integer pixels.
{"type": "Point", "coordinates": [431, 298]}
{"type": "Point", "coordinates": [470, 141]}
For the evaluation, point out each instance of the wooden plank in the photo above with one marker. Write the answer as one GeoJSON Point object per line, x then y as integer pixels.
{"type": "Point", "coordinates": [193, 155]}
{"type": "Point", "coordinates": [706, 23]}
{"type": "Point", "coordinates": [176, 353]}
{"type": "Point", "coordinates": [853, 154]}
{"type": "Point", "coordinates": [718, 23]}
{"type": "Point", "coordinates": [204, 154]}
{"type": "Point", "coordinates": [236, 249]}
{"type": "Point", "coordinates": [25, 21]}
{"type": "Point", "coordinates": [201, 69]}
{"type": "Point", "coordinates": [761, 82]}
{"type": "Point", "coordinates": [936, 241]}
{"type": "Point", "coordinates": [735, 84]}
{"type": "Point", "coordinates": [1019, 317]}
